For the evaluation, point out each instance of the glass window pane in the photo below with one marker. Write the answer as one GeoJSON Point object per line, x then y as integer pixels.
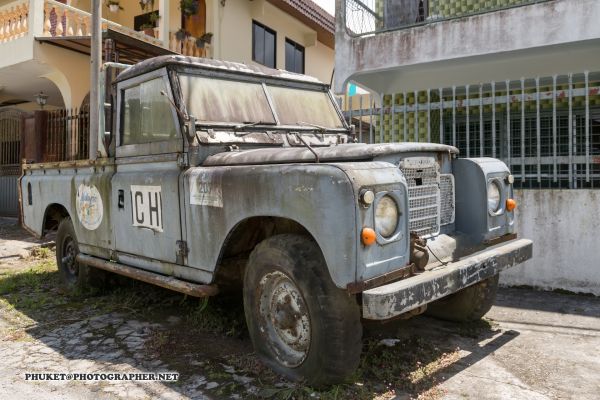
{"type": "Point", "coordinates": [296, 105]}
{"type": "Point", "coordinates": [157, 115]}
{"type": "Point", "coordinates": [132, 115]}
{"type": "Point", "coordinates": [299, 60]}
{"type": "Point", "coordinates": [148, 116]}
{"type": "Point", "coordinates": [289, 56]}
{"type": "Point", "coordinates": [216, 100]}
{"type": "Point", "coordinates": [259, 44]}
{"type": "Point", "coordinates": [269, 49]}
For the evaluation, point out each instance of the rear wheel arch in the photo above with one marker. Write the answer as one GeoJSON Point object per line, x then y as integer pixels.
{"type": "Point", "coordinates": [53, 215]}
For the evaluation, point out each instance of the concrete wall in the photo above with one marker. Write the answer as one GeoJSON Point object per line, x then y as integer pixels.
{"type": "Point", "coordinates": [543, 39]}
{"type": "Point", "coordinates": [564, 227]}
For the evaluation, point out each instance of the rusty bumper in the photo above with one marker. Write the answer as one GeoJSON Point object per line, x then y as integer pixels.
{"type": "Point", "coordinates": [396, 298]}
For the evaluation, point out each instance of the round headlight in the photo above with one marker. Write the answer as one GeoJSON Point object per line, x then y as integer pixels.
{"type": "Point", "coordinates": [494, 196]}
{"type": "Point", "coordinates": [386, 216]}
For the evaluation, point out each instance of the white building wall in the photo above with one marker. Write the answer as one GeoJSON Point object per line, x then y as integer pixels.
{"type": "Point", "coordinates": [564, 226]}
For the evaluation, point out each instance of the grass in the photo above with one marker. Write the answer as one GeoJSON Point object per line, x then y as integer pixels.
{"type": "Point", "coordinates": [213, 331]}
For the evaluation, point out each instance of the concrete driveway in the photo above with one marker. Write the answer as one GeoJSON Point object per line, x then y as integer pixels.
{"type": "Point", "coordinates": [532, 345]}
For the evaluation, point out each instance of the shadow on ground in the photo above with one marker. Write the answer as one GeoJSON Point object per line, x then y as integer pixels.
{"type": "Point", "coordinates": [136, 326]}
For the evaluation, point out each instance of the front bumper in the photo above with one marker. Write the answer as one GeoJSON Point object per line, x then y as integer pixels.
{"type": "Point", "coordinates": [396, 298]}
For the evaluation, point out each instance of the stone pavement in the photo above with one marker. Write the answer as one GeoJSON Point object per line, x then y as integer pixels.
{"type": "Point", "coordinates": [540, 345]}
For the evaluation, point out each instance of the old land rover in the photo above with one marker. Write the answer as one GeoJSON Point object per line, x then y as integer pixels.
{"type": "Point", "coordinates": [213, 172]}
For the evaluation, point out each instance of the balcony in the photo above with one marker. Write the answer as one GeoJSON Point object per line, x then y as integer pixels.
{"type": "Point", "coordinates": [402, 45]}
{"type": "Point", "coordinates": [23, 21]}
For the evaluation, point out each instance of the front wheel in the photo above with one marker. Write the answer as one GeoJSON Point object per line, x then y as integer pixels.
{"type": "Point", "coordinates": [469, 304]}
{"type": "Point", "coordinates": [300, 323]}
{"type": "Point", "coordinates": [74, 276]}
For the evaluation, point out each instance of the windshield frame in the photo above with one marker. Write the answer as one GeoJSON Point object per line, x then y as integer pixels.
{"type": "Point", "coordinates": [265, 82]}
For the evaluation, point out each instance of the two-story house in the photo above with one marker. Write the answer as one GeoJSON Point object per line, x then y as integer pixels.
{"type": "Point", "coordinates": [45, 58]}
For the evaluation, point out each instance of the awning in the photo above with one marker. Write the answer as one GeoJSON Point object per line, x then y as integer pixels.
{"type": "Point", "coordinates": [117, 46]}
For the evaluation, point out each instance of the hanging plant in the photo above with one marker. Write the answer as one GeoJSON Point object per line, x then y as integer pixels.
{"type": "Point", "coordinates": [189, 7]}
{"type": "Point", "coordinates": [145, 4]}
{"type": "Point", "coordinates": [114, 6]}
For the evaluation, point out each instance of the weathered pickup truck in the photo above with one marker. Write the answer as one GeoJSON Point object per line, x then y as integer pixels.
{"type": "Point", "coordinates": [220, 171]}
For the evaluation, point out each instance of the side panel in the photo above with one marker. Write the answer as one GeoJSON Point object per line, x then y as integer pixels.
{"type": "Point", "coordinates": [84, 192]}
{"type": "Point", "coordinates": [147, 220]}
{"type": "Point", "coordinates": [319, 197]}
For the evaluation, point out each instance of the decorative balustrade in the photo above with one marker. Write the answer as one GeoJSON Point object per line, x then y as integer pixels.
{"type": "Point", "coordinates": [14, 21]}
{"type": "Point", "coordinates": [63, 20]}
{"type": "Point", "coordinates": [188, 46]}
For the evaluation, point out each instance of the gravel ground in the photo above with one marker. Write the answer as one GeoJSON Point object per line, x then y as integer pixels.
{"type": "Point", "coordinates": [532, 345]}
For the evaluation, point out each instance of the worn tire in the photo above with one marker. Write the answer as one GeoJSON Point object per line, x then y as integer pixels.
{"type": "Point", "coordinates": [293, 266]}
{"type": "Point", "coordinates": [469, 304]}
{"type": "Point", "coordinates": [73, 276]}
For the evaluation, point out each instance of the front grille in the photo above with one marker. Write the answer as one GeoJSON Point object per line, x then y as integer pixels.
{"type": "Point", "coordinates": [423, 178]}
{"type": "Point", "coordinates": [447, 199]}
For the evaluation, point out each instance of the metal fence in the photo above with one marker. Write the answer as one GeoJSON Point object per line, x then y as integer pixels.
{"type": "Point", "coordinates": [547, 130]}
{"type": "Point", "coordinates": [67, 135]}
{"type": "Point", "coordinates": [364, 17]}
{"type": "Point", "coordinates": [10, 153]}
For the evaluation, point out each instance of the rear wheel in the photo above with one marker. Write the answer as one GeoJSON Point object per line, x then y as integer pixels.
{"type": "Point", "coordinates": [469, 304]}
{"type": "Point", "coordinates": [300, 323]}
{"type": "Point", "coordinates": [74, 276]}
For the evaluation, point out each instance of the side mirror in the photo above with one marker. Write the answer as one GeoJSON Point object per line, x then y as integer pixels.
{"type": "Point", "coordinates": [190, 128]}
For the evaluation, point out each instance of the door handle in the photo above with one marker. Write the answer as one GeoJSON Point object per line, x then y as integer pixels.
{"type": "Point", "coordinates": [121, 199]}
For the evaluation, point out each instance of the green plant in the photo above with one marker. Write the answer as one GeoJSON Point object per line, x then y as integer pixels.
{"type": "Point", "coordinates": [204, 40]}
{"type": "Point", "coordinates": [188, 7]}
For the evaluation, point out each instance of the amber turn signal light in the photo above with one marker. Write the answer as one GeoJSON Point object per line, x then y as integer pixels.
{"type": "Point", "coordinates": [368, 236]}
{"type": "Point", "coordinates": [511, 204]}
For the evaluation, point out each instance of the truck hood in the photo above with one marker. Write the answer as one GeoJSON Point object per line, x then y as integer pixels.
{"type": "Point", "coordinates": [342, 152]}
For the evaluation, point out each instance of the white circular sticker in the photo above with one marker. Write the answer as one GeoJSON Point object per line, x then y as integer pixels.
{"type": "Point", "coordinates": [89, 206]}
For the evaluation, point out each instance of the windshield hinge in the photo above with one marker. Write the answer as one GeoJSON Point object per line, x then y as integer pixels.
{"type": "Point", "coordinates": [182, 160]}
{"type": "Point", "coordinates": [181, 252]}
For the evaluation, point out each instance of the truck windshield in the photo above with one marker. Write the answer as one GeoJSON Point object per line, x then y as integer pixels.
{"type": "Point", "coordinates": [297, 106]}
{"type": "Point", "coordinates": [215, 101]}
{"type": "Point", "coordinates": [223, 101]}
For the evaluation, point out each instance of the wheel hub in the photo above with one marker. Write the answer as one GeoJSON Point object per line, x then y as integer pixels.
{"type": "Point", "coordinates": [284, 318]}
{"type": "Point", "coordinates": [69, 254]}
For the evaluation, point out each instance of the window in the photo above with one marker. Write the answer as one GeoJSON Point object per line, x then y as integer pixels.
{"type": "Point", "coordinates": [263, 44]}
{"type": "Point", "coordinates": [148, 116]}
{"type": "Point", "coordinates": [294, 57]}
{"type": "Point", "coordinates": [297, 106]}
{"type": "Point", "coordinates": [223, 101]}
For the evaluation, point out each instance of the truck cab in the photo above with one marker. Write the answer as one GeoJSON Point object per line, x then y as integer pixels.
{"type": "Point", "coordinates": [218, 172]}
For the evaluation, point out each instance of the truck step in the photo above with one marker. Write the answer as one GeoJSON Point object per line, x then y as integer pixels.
{"type": "Point", "coordinates": [168, 282]}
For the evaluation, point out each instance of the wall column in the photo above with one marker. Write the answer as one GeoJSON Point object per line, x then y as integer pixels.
{"type": "Point", "coordinates": [163, 32]}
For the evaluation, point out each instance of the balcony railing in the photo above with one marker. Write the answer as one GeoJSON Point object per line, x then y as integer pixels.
{"type": "Point", "coordinates": [188, 46]}
{"type": "Point", "coordinates": [63, 20]}
{"type": "Point", "coordinates": [14, 21]}
{"type": "Point", "coordinates": [366, 17]}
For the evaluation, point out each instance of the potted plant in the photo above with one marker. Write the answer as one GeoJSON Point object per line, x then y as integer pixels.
{"type": "Point", "coordinates": [114, 6]}
{"type": "Point", "coordinates": [188, 7]}
{"type": "Point", "coordinates": [145, 4]}
{"type": "Point", "coordinates": [181, 35]}
{"type": "Point", "coordinates": [148, 29]}
{"type": "Point", "coordinates": [204, 40]}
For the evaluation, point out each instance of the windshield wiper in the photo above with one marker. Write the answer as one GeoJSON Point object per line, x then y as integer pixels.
{"type": "Point", "coordinates": [321, 128]}
{"type": "Point", "coordinates": [246, 125]}
{"type": "Point", "coordinates": [308, 146]}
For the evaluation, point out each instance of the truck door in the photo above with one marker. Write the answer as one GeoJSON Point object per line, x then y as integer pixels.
{"type": "Point", "coordinates": [145, 198]}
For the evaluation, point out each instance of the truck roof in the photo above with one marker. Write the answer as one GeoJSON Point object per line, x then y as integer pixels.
{"type": "Point", "coordinates": [210, 64]}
